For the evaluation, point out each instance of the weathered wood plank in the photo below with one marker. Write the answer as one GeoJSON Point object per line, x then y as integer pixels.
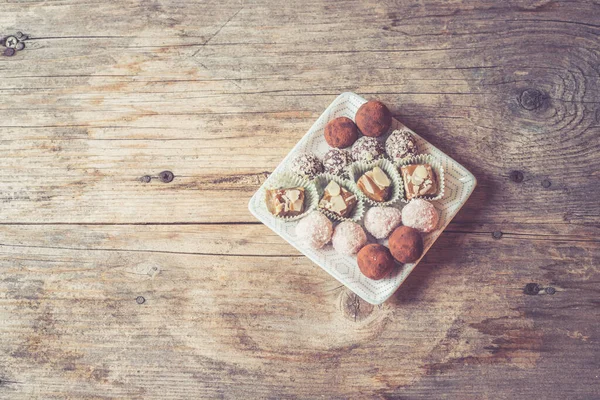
{"type": "Point", "coordinates": [279, 326]}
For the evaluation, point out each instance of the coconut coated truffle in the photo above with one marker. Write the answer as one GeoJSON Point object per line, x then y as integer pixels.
{"type": "Point", "coordinates": [336, 160]}
{"type": "Point", "coordinates": [373, 118]}
{"type": "Point", "coordinates": [341, 132]}
{"type": "Point", "coordinates": [315, 230]}
{"type": "Point", "coordinates": [307, 165]}
{"type": "Point", "coordinates": [400, 144]}
{"type": "Point", "coordinates": [375, 261]}
{"type": "Point", "coordinates": [381, 221]}
{"type": "Point", "coordinates": [348, 238]}
{"type": "Point", "coordinates": [421, 215]}
{"type": "Point", "coordinates": [367, 149]}
{"type": "Point", "coordinates": [406, 244]}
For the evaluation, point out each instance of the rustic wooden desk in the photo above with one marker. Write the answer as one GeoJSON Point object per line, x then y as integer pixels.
{"type": "Point", "coordinates": [117, 282]}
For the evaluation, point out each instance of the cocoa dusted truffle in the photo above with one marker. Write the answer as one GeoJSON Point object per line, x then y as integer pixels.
{"type": "Point", "coordinates": [307, 165]}
{"type": "Point", "coordinates": [367, 149]}
{"type": "Point", "coordinates": [381, 221]}
{"type": "Point", "coordinates": [336, 161]}
{"type": "Point", "coordinates": [348, 238]}
{"type": "Point", "coordinates": [375, 261]}
{"type": "Point", "coordinates": [341, 132]}
{"type": "Point", "coordinates": [421, 215]}
{"type": "Point", "coordinates": [315, 230]}
{"type": "Point", "coordinates": [400, 144]}
{"type": "Point", "coordinates": [373, 118]}
{"type": "Point", "coordinates": [406, 244]}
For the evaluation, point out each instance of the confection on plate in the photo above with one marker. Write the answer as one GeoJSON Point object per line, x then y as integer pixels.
{"type": "Point", "coordinates": [315, 230]}
{"type": "Point", "coordinates": [421, 215]}
{"type": "Point", "coordinates": [341, 132]}
{"type": "Point", "coordinates": [336, 161]}
{"type": "Point", "coordinates": [375, 261]}
{"type": "Point", "coordinates": [367, 149]}
{"type": "Point", "coordinates": [373, 118]}
{"type": "Point", "coordinates": [400, 144]}
{"type": "Point", "coordinates": [307, 165]}
{"type": "Point", "coordinates": [406, 244]}
{"type": "Point", "coordinates": [348, 238]}
{"type": "Point", "coordinates": [381, 221]}
{"type": "Point", "coordinates": [338, 200]}
{"type": "Point", "coordinates": [419, 180]}
{"type": "Point", "coordinates": [375, 184]}
{"type": "Point", "coordinates": [287, 202]}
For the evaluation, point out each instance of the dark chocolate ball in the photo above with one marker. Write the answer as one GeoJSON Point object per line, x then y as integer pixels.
{"type": "Point", "coordinates": [373, 118]}
{"type": "Point", "coordinates": [406, 244]}
{"type": "Point", "coordinates": [341, 132]}
{"type": "Point", "coordinates": [375, 261]}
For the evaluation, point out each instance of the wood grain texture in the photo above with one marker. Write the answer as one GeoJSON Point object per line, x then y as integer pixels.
{"type": "Point", "coordinates": [218, 92]}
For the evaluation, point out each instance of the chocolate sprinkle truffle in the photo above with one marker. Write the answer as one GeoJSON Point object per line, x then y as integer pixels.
{"type": "Point", "coordinates": [421, 215]}
{"type": "Point", "coordinates": [336, 160]}
{"type": "Point", "coordinates": [315, 230]}
{"type": "Point", "coordinates": [375, 261]}
{"type": "Point", "coordinates": [400, 144]}
{"type": "Point", "coordinates": [406, 244]}
{"type": "Point", "coordinates": [373, 118]}
{"type": "Point", "coordinates": [367, 149]}
{"type": "Point", "coordinates": [348, 238]}
{"type": "Point", "coordinates": [381, 221]}
{"type": "Point", "coordinates": [341, 132]}
{"type": "Point", "coordinates": [307, 165]}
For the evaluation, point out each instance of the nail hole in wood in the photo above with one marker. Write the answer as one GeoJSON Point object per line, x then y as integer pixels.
{"type": "Point", "coordinates": [546, 183]}
{"type": "Point", "coordinates": [516, 176]}
{"type": "Point", "coordinates": [166, 176]}
{"type": "Point", "coordinates": [146, 178]}
{"type": "Point", "coordinates": [140, 300]}
{"type": "Point", "coordinates": [497, 235]}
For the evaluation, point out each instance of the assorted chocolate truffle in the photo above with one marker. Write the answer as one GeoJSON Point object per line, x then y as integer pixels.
{"type": "Point", "coordinates": [419, 180]}
{"type": "Point", "coordinates": [375, 184]}
{"type": "Point", "coordinates": [400, 144]}
{"type": "Point", "coordinates": [338, 200]}
{"type": "Point", "coordinates": [307, 165]}
{"type": "Point", "coordinates": [341, 132]}
{"type": "Point", "coordinates": [406, 244]}
{"type": "Point", "coordinates": [336, 161]}
{"type": "Point", "coordinates": [314, 230]}
{"type": "Point", "coordinates": [285, 202]}
{"type": "Point", "coordinates": [375, 261]}
{"type": "Point", "coordinates": [367, 149]}
{"type": "Point", "coordinates": [373, 118]}
{"type": "Point", "coordinates": [421, 215]}
{"type": "Point", "coordinates": [348, 238]}
{"type": "Point", "coordinates": [381, 221]}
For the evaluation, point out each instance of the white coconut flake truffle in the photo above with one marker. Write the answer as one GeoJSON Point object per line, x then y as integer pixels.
{"type": "Point", "coordinates": [400, 144]}
{"type": "Point", "coordinates": [315, 230]}
{"type": "Point", "coordinates": [348, 238]}
{"type": "Point", "coordinates": [421, 215]}
{"type": "Point", "coordinates": [307, 165]}
{"type": "Point", "coordinates": [381, 221]}
{"type": "Point", "coordinates": [367, 149]}
{"type": "Point", "coordinates": [336, 160]}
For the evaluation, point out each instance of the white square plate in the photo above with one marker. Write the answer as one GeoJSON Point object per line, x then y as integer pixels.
{"type": "Point", "coordinates": [458, 181]}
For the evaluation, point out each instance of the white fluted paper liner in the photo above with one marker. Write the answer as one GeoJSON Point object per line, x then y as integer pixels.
{"type": "Point", "coordinates": [287, 180]}
{"type": "Point", "coordinates": [437, 168]}
{"type": "Point", "coordinates": [322, 180]}
{"type": "Point", "coordinates": [357, 169]}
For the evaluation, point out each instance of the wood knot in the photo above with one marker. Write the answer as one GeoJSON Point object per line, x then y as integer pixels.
{"type": "Point", "coordinates": [354, 308]}
{"type": "Point", "coordinates": [531, 99]}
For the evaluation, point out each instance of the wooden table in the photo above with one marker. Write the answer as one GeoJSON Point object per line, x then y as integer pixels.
{"type": "Point", "coordinates": [117, 284]}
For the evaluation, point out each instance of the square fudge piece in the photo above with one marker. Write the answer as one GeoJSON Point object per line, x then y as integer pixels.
{"type": "Point", "coordinates": [285, 202]}
{"type": "Point", "coordinates": [419, 180]}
